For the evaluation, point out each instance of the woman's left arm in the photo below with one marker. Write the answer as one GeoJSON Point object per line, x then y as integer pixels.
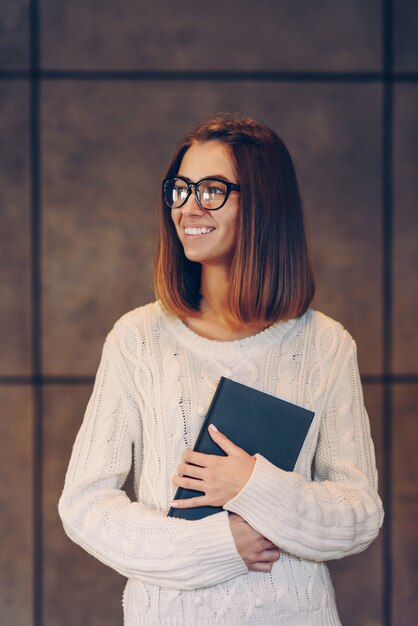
{"type": "Point", "coordinates": [339, 512]}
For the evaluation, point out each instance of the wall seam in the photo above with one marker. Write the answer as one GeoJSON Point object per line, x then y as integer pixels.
{"type": "Point", "coordinates": [387, 240]}
{"type": "Point", "coordinates": [221, 75]}
{"type": "Point", "coordinates": [36, 313]}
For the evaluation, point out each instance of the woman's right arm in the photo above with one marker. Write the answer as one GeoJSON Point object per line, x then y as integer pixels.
{"type": "Point", "coordinates": [98, 515]}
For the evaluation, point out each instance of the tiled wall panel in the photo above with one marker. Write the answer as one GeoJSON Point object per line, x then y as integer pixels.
{"type": "Point", "coordinates": [15, 296]}
{"type": "Point", "coordinates": [14, 34]}
{"type": "Point", "coordinates": [106, 147]}
{"type": "Point", "coordinates": [16, 502]}
{"type": "Point", "coordinates": [249, 35]}
{"type": "Point", "coordinates": [405, 257]}
{"type": "Point", "coordinates": [405, 505]}
{"type": "Point", "coordinates": [405, 28]}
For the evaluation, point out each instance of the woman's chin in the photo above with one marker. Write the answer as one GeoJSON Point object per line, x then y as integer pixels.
{"type": "Point", "coordinates": [196, 258]}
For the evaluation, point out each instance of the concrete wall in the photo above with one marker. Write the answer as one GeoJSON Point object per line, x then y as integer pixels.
{"type": "Point", "coordinates": [94, 98]}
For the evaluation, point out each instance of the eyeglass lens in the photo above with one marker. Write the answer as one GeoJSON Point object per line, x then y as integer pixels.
{"type": "Point", "coordinates": [210, 193]}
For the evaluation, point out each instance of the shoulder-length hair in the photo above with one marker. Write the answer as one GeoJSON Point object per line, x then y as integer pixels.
{"type": "Point", "coordinates": [271, 276]}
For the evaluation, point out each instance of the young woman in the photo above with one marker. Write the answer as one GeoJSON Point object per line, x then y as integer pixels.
{"type": "Point", "coordinates": [234, 285]}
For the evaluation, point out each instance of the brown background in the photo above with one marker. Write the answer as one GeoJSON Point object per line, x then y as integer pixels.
{"type": "Point", "coordinates": [94, 98]}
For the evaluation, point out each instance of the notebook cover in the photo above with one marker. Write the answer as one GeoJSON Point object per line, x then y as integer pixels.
{"type": "Point", "coordinates": [255, 421]}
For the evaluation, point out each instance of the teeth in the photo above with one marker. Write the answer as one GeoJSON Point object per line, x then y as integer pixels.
{"type": "Point", "coordinates": [197, 231]}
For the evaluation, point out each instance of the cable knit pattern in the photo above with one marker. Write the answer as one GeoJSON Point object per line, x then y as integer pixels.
{"type": "Point", "coordinates": [153, 386]}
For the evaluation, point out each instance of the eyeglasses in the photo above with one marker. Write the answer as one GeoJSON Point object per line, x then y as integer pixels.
{"type": "Point", "coordinates": [210, 193]}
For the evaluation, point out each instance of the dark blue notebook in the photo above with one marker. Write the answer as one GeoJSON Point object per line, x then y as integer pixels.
{"type": "Point", "coordinates": [255, 421]}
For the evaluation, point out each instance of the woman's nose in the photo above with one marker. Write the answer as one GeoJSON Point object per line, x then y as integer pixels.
{"type": "Point", "coordinates": [191, 205]}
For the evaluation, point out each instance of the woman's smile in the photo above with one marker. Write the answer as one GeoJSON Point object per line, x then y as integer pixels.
{"type": "Point", "coordinates": [197, 231]}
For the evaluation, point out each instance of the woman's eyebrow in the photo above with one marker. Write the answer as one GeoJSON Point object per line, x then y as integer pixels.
{"type": "Point", "coordinates": [208, 176]}
{"type": "Point", "coordinates": [219, 176]}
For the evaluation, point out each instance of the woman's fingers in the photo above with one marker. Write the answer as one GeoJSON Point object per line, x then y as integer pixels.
{"type": "Point", "coordinates": [258, 553]}
{"type": "Point", "coordinates": [187, 469]}
{"type": "Point", "coordinates": [188, 483]}
{"type": "Point", "coordinates": [198, 458]}
{"type": "Point", "coordinates": [190, 503]}
{"type": "Point", "coordinates": [224, 476]}
{"type": "Point", "coordinates": [261, 567]}
{"type": "Point", "coordinates": [266, 556]}
{"type": "Point", "coordinates": [269, 555]}
{"type": "Point", "coordinates": [265, 561]}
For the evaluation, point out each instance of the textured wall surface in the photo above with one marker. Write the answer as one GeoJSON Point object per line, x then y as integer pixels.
{"type": "Point", "coordinates": [94, 98]}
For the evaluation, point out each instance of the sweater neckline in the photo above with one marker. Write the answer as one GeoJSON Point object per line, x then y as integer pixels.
{"type": "Point", "coordinates": [215, 347]}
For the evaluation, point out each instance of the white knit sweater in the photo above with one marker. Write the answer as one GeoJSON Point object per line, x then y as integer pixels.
{"type": "Point", "coordinates": [155, 380]}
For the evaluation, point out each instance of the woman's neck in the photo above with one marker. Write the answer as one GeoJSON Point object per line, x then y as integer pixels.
{"type": "Point", "coordinates": [215, 320]}
{"type": "Point", "coordinates": [215, 294]}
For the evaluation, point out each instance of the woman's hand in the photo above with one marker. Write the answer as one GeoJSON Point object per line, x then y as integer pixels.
{"type": "Point", "coordinates": [219, 477]}
{"type": "Point", "coordinates": [257, 552]}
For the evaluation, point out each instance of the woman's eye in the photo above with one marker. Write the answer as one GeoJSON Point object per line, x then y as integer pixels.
{"type": "Point", "coordinates": [216, 190]}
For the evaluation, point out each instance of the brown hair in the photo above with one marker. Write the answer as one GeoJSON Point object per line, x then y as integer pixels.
{"type": "Point", "coordinates": [271, 276]}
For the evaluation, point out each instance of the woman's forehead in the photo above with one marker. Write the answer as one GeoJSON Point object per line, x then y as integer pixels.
{"type": "Point", "coordinates": [209, 158]}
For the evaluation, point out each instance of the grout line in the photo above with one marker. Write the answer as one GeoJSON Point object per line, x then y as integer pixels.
{"type": "Point", "coordinates": [35, 160]}
{"type": "Point", "coordinates": [387, 228]}
{"type": "Point", "coordinates": [59, 379]}
{"type": "Point", "coordinates": [49, 380]}
{"type": "Point", "coordinates": [224, 75]}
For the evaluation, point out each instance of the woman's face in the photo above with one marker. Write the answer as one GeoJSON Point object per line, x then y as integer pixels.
{"type": "Point", "coordinates": [214, 248]}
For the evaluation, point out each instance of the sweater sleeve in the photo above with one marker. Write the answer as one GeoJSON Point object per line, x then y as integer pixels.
{"type": "Point", "coordinates": [339, 512]}
{"type": "Point", "coordinates": [98, 515]}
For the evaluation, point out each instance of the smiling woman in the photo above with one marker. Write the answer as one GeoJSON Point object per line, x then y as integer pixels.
{"type": "Point", "coordinates": [234, 285]}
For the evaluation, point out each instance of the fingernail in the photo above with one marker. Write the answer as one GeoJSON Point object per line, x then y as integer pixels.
{"type": "Point", "coordinates": [174, 503]}
{"type": "Point", "coordinates": [213, 427]}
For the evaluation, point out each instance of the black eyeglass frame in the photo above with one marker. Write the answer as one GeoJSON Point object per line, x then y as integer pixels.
{"type": "Point", "coordinates": [229, 187]}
